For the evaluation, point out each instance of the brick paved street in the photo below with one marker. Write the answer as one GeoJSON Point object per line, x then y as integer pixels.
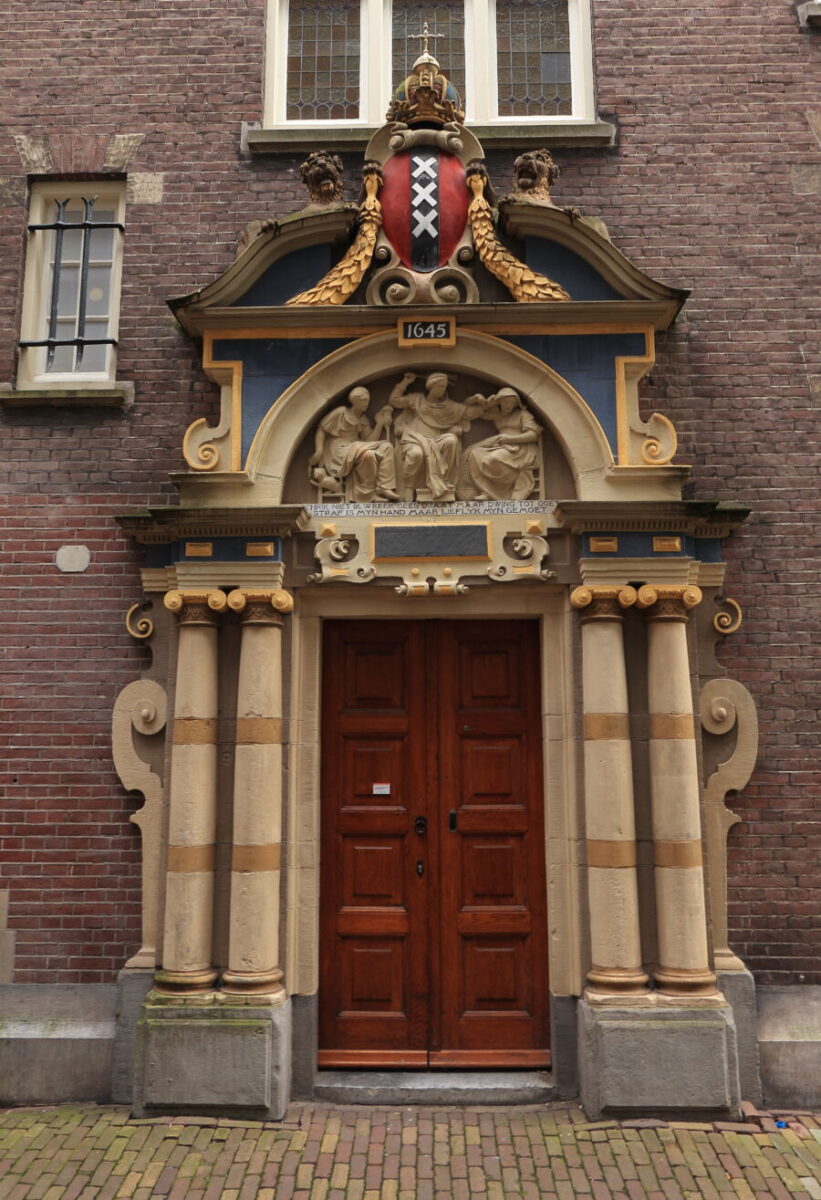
{"type": "Point", "coordinates": [323, 1152]}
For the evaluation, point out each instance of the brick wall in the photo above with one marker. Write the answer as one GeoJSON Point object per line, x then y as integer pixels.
{"type": "Point", "coordinates": [710, 187]}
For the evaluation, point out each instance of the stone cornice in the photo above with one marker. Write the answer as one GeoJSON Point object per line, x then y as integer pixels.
{"type": "Point", "coordinates": [699, 518]}
{"type": "Point", "coordinates": [170, 523]}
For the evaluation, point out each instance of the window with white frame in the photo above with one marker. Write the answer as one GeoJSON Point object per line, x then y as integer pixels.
{"type": "Point", "coordinates": [72, 283]}
{"type": "Point", "coordinates": [512, 61]}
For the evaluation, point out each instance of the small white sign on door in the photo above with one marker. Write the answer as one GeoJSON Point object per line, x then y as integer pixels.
{"type": "Point", "coordinates": [380, 789]}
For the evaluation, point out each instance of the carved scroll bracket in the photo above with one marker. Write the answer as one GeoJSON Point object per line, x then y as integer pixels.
{"type": "Point", "coordinates": [726, 704]}
{"type": "Point", "coordinates": [141, 709]}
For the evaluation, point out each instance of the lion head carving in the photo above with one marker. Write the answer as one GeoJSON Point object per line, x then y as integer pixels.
{"type": "Point", "coordinates": [321, 172]}
{"type": "Point", "coordinates": [533, 173]}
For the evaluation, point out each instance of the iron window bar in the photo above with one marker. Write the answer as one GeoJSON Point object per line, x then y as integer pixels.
{"type": "Point", "coordinates": [59, 226]}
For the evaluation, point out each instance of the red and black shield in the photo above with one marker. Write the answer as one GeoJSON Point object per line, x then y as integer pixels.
{"type": "Point", "coordinates": [424, 206]}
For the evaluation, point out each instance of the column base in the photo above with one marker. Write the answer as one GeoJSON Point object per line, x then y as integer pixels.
{"type": "Point", "coordinates": [683, 982]}
{"type": "Point", "coordinates": [614, 981]}
{"type": "Point", "coordinates": [252, 983]}
{"type": "Point", "coordinates": [185, 983]}
{"type": "Point", "coordinates": [658, 1060]}
{"type": "Point", "coordinates": [234, 1060]}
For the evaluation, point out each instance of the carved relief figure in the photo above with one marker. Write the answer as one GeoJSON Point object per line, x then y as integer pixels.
{"type": "Point", "coordinates": [430, 429]}
{"type": "Point", "coordinates": [533, 173]}
{"type": "Point", "coordinates": [503, 467]}
{"type": "Point", "coordinates": [350, 456]}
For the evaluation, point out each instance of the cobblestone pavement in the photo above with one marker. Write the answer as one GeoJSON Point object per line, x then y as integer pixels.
{"type": "Point", "coordinates": [323, 1152]}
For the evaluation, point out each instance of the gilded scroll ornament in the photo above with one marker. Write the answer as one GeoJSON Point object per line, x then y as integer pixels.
{"type": "Point", "coordinates": [203, 457]}
{"type": "Point", "coordinates": [728, 622]}
{"type": "Point", "coordinates": [524, 285]}
{"type": "Point", "coordinates": [142, 628]}
{"type": "Point", "coordinates": [658, 450]}
{"type": "Point", "coordinates": [341, 281]}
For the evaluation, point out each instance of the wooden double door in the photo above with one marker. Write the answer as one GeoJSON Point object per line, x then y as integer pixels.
{"type": "Point", "coordinates": [433, 947]}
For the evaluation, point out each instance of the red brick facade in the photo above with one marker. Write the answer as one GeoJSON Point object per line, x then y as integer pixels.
{"type": "Point", "coordinates": [713, 185]}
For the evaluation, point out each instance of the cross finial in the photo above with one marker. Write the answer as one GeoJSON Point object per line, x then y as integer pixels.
{"type": "Point", "coordinates": [426, 35]}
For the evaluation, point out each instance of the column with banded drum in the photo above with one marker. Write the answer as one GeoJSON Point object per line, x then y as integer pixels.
{"type": "Point", "coordinates": [187, 966]}
{"type": "Point", "coordinates": [253, 946]}
{"type": "Point", "coordinates": [684, 965]}
{"type": "Point", "coordinates": [608, 791]}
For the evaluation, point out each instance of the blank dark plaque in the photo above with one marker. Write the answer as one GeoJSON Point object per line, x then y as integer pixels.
{"type": "Point", "coordinates": [395, 543]}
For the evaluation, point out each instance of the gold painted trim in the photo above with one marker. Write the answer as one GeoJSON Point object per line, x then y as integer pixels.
{"type": "Point", "coordinates": [723, 622]}
{"type": "Point", "coordinates": [604, 727]}
{"type": "Point", "coordinates": [610, 854]}
{"type": "Point", "coordinates": [666, 545]}
{"type": "Point", "coordinates": [266, 857]}
{"type": "Point", "coordinates": [259, 731]}
{"type": "Point", "coordinates": [142, 628]}
{"type": "Point", "coordinates": [449, 341]}
{"type": "Point", "coordinates": [622, 416]}
{"type": "Point", "coordinates": [199, 549]}
{"type": "Point", "coordinates": [677, 854]}
{"type": "Point", "coordinates": [182, 859]}
{"type": "Point", "coordinates": [235, 366]}
{"type": "Point", "coordinates": [604, 545]}
{"type": "Point", "coordinates": [259, 549]}
{"type": "Point", "coordinates": [675, 726]}
{"type": "Point", "coordinates": [195, 731]}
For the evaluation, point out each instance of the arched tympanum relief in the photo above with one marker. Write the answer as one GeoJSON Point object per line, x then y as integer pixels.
{"type": "Point", "coordinates": [515, 390]}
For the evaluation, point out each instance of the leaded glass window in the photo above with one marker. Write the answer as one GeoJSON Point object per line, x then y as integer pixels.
{"type": "Point", "coordinates": [323, 60]}
{"type": "Point", "coordinates": [533, 58]}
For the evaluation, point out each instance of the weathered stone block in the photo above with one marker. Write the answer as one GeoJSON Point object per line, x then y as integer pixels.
{"type": "Point", "coordinates": [789, 1045]}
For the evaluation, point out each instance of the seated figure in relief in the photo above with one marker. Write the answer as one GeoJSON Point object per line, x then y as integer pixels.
{"type": "Point", "coordinates": [429, 430]}
{"type": "Point", "coordinates": [503, 467]}
{"type": "Point", "coordinates": [351, 457]}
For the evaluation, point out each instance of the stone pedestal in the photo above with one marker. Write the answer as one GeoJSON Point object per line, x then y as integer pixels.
{"type": "Point", "coordinates": [234, 1060]}
{"type": "Point", "coordinates": [658, 1060]}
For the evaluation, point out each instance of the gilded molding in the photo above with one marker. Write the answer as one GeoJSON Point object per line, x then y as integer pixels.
{"type": "Point", "coordinates": [728, 622]}
{"type": "Point", "coordinates": [668, 602]}
{"type": "Point", "coordinates": [144, 627]}
{"type": "Point", "coordinates": [724, 705]}
{"type": "Point", "coordinates": [255, 604]}
{"type": "Point", "coordinates": [603, 603]}
{"type": "Point", "coordinates": [524, 285]}
{"type": "Point", "coordinates": [196, 605]}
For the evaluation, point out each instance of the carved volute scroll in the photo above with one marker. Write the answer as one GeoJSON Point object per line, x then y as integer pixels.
{"type": "Point", "coordinates": [724, 705]}
{"type": "Point", "coordinates": [139, 713]}
{"type": "Point", "coordinates": [414, 448]}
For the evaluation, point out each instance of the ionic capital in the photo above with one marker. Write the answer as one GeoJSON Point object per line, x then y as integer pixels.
{"type": "Point", "coordinates": [260, 607]}
{"type": "Point", "coordinates": [196, 606]}
{"type": "Point", "coordinates": [668, 602]}
{"type": "Point", "coordinates": [603, 603]}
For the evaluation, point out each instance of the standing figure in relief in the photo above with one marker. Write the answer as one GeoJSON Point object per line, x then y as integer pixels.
{"type": "Point", "coordinates": [502, 467]}
{"type": "Point", "coordinates": [430, 435]}
{"type": "Point", "coordinates": [349, 455]}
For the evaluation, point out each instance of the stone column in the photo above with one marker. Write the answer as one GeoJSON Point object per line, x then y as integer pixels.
{"type": "Point", "coordinates": [187, 967]}
{"type": "Point", "coordinates": [608, 791]}
{"type": "Point", "coordinates": [253, 950]}
{"type": "Point", "coordinates": [684, 968]}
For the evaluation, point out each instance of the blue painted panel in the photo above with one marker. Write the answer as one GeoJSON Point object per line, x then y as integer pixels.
{"type": "Point", "coordinates": [286, 278]}
{"type": "Point", "coordinates": [575, 275]}
{"type": "Point", "coordinates": [270, 365]}
{"type": "Point", "coordinates": [586, 361]}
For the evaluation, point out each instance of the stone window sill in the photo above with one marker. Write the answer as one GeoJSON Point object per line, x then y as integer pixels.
{"type": "Point", "coordinates": [809, 14]}
{"type": "Point", "coordinates": [116, 395]}
{"type": "Point", "coordinates": [493, 137]}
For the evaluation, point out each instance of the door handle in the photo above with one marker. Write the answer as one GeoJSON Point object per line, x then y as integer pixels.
{"type": "Point", "coordinates": [420, 868]}
{"type": "Point", "coordinates": [453, 818]}
{"type": "Point", "coordinates": [420, 826]}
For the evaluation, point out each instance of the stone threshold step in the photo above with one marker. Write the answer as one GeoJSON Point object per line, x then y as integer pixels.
{"type": "Point", "coordinates": [435, 1087]}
